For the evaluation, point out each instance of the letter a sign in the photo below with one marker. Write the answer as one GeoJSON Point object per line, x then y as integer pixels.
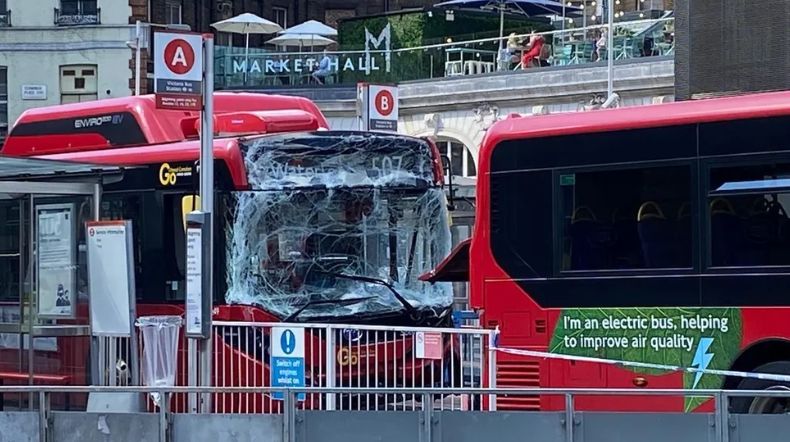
{"type": "Point", "coordinates": [178, 70]}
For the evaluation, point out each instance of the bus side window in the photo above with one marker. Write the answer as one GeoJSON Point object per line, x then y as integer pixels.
{"type": "Point", "coordinates": [747, 208]}
{"type": "Point", "coordinates": [626, 218]}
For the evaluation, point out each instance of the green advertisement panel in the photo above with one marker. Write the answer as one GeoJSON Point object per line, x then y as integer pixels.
{"type": "Point", "coordinates": [704, 338]}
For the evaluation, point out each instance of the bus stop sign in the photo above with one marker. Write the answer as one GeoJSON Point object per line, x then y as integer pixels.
{"type": "Point", "coordinates": [178, 70]}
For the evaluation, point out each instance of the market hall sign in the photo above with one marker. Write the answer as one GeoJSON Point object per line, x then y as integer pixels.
{"type": "Point", "coordinates": [366, 61]}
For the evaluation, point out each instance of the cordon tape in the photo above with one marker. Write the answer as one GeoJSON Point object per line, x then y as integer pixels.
{"type": "Point", "coordinates": [740, 374]}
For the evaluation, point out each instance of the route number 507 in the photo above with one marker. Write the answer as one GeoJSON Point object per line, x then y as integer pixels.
{"type": "Point", "coordinates": [387, 165]}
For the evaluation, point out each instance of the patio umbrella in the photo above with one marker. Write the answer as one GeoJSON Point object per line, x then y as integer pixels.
{"type": "Point", "coordinates": [313, 30]}
{"type": "Point", "coordinates": [526, 7]}
{"type": "Point", "coordinates": [288, 39]}
{"type": "Point", "coordinates": [311, 27]}
{"type": "Point", "coordinates": [247, 24]}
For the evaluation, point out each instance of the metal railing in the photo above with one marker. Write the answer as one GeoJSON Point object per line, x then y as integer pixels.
{"type": "Point", "coordinates": [720, 418]}
{"type": "Point", "coordinates": [77, 19]}
{"type": "Point", "coordinates": [575, 46]}
{"type": "Point", "coordinates": [354, 356]}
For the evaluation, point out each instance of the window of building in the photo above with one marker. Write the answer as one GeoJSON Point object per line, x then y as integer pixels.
{"type": "Point", "coordinates": [174, 12]}
{"type": "Point", "coordinates": [3, 103]}
{"type": "Point", "coordinates": [461, 159]}
{"type": "Point", "coordinates": [5, 15]}
{"type": "Point", "coordinates": [77, 12]}
{"type": "Point", "coordinates": [747, 205]}
{"type": "Point", "coordinates": [78, 7]}
{"type": "Point", "coordinates": [333, 16]}
{"type": "Point", "coordinates": [280, 16]}
{"type": "Point", "coordinates": [78, 83]}
{"type": "Point", "coordinates": [626, 218]}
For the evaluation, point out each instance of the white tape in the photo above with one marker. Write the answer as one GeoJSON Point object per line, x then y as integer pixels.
{"type": "Point", "coordinates": [740, 374]}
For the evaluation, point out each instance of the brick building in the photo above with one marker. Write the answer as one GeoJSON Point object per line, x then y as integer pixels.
{"type": "Point", "coordinates": [199, 14]}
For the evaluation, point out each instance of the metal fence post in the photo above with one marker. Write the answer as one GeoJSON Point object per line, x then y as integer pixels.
{"type": "Point", "coordinates": [722, 417]}
{"type": "Point", "coordinates": [164, 397]}
{"type": "Point", "coordinates": [288, 416]}
{"type": "Point", "coordinates": [43, 416]}
{"type": "Point", "coordinates": [568, 417]}
{"type": "Point", "coordinates": [492, 368]}
{"type": "Point", "coordinates": [331, 363]}
{"type": "Point", "coordinates": [427, 417]}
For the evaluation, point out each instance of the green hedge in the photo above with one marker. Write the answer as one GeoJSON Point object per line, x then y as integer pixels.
{"type": "Point", "coordinates": [419, 29]}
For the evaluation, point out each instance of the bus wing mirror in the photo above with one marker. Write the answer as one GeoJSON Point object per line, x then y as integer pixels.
{"type": "Point", "coordinates": [448, 172]}
{"type": "Point", "coordinates": [189, 203]}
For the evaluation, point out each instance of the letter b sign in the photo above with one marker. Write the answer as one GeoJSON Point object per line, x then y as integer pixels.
{"type": "Point", "coordinates": [384, 103]}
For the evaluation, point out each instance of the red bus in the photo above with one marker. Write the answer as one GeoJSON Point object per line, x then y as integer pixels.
{"type": "Point", "coordinates": [311, 225]}
{"type": "Point", "coordinates": [654, 234]}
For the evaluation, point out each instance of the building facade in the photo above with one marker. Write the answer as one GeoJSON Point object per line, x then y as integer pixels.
{"type": "Point", "coordinates": [62, 51]}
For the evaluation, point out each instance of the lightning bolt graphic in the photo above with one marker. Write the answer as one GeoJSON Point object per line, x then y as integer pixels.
{"type": "Point", "coordinates": [702, 358]}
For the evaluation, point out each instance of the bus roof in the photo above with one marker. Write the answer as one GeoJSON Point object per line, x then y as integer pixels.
{"type": "Point", "coordinates": [635, 117]}
{"type": "Point", "coordinates": [129, 121]}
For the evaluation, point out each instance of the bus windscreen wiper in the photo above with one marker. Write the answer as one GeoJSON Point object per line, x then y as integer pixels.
{"type": "Point", "coordinates": [342, 302]}
{"type": "Point", "coordinates": [406, 305]}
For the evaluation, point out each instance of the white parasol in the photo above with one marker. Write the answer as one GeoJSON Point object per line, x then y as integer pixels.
{"type": "Point", "coordinates": [247, 24]}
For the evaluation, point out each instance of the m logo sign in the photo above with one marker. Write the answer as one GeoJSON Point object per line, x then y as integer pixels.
{"type": "Point", "coordinates": [370, 40]}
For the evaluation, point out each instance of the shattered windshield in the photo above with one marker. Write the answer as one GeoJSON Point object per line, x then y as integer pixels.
{"type": "Point", "coordinates": [325, 208]}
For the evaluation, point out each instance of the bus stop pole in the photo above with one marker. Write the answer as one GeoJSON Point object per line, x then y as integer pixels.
{"type": "Point", "coordinates": [207, 206]}
{"type": "Point", "coordinates": [610, 49]}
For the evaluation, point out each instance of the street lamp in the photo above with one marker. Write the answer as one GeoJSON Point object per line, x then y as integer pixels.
{"type": "Point", "coordinates": [135, 44]}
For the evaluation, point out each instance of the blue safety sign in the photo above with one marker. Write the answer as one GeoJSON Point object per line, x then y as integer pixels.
{"type": "Point", "coordinates": [287, 363]}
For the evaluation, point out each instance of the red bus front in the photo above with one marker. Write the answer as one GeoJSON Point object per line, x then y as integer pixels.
{"type": "Point", "coordinates": [318, 227]}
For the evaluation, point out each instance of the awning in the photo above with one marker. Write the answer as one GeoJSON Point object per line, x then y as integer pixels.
{"type": "Point", "coordinates": [26, 168]}
{"type": "Point", "coordinates": [454, 268]}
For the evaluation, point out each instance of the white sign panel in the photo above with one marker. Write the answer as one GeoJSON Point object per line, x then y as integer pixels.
{"type": "Point", "coordinates": [34, 92]}
{"type": "Point", "coordinates": [194, 315]}
{"type": "Point", "coordinates": [383, 107]}
{"type": "Point", "coordinates": [178, 70]}
{"type": "Point", "coordinates": [110, 277]}
{"type": "Point", "coordinates": [56, 260]}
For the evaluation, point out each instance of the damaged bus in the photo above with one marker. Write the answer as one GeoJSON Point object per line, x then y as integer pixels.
{"type": "Point", "coordinates": [311, 226]}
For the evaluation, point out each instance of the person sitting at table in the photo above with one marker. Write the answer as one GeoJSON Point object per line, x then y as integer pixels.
{"type": "Point", "coordinates": [507, 55]}
{"type": "Point", "coordinates": [323, 68]}
{"type": "Point", "coordinates": [532, 50]}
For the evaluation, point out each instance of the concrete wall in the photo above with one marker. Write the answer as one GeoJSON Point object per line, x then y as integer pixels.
{"type": "Point", "coordinates": [462, 108]}
{"type": "Point", "coordinates": [351, 426]}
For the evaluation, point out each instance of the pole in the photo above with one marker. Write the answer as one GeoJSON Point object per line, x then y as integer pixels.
{"type": "Point", "coordinates": [563, 20]}
{"type": "Point", "coordinates": [246, 58]}
{"type": "Point", "coordinates": [501, 26]}
{"type": "Point", "coordinates": [137, 58]}
{"type": "Point", "coordinates": [207, 203]}
{"type": "Point", "coordinates": [610, 49]}
{"type": "Point", "coordinates": [584, 18]}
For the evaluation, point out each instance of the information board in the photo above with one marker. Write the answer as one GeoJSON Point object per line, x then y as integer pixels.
{"type": "Point", "coordinates": [194, 312]}
{"type": "Point", "coordinates": [110, 277]}
{"type": "Point", "coordinates": [56, 258]}
{"type": "Point", "coordinates": [287, 359]}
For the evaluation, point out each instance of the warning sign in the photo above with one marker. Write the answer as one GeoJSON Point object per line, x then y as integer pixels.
{"type": "Point", "coordinates": [178, 70]}
{"type": "Point", "coordinates": [428, 345]}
